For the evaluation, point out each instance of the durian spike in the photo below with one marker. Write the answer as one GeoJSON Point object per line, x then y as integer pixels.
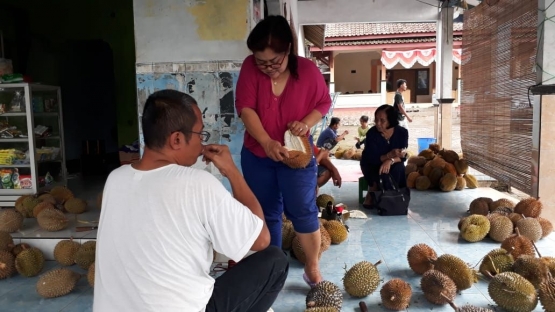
{"type": "Point", "coordinates": [363, 307]}
{"type": "Point", "coordinates": [536, 248]}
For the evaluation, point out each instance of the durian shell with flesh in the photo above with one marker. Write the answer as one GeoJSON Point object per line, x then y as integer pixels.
{"type": "Point", "coordinates": [57, 282]}
{"type": "Point", "coordinates": [513, 292]}
{"type": "Point", "coordinates": [52, 220]}
{"type": "Point", "coordinates": [299, 150]}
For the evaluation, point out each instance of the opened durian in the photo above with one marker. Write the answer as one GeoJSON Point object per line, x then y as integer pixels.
{"type": "Point", "coordinates": [337, 231]}
{"type": "Point", "coordinates": [496, 261]}
{"type": "Point", "coordinates": [474, 228]}
{"type": "Point", "coordinates": [325, 295]}
{"type": "Point", "coordinates": [29, 262]}
{"type": "Point", "coordinates": [421, 258]}
{"type": "Point", "coordinates": [7, 264]}
{"type": "Point", "coordinates": [396, 294]}
{"type": "Point", "coordinates": [52, 220]}
{"type": "Point", "coordinates": [64, 251]}
{"type": "Point", "coordinates": [457, 270]}
{"type": "Point", "coordinates": [513, 292]}
{"type": "Point", "coordinates": [10, 220]}
{"type": "Point", "coordinates": [518, 245]}
{"type": "Point", "coordinates": [85, 256]}
{"type": "Point", "coordinates": [438, 288]}
{"type": "Point", "coordinates": [6, 241]}
{"type": "Point", "coordinates": [57, 283]}
{"type": "Point", "coordinates": [362, 279]}
{"type": "Point", "coordinates": [299, 150]}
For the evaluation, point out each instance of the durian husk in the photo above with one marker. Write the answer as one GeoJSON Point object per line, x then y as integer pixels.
{"type": "Point", "coordinates": [474, 228]}
{"type": "Point", "coordinates": [396, 294]}
{"type": "Point", "coordinates": [57, 283]}
{"type": "Point", "coordinates": [452, 266]}
{"type": "Point", "coordinates": [10, 220]}
{"type": "Point", "coordinates": [362, 279]}
{"type": "Point", "coordinates": [337, 231]}
{"type": "Point", "coordinates": [513, 292]}
{"type": "Point", "coordinates": [29, 262]}
{"type": "Point", "coordinates": [438, 288]}
{"type": "Point", "coordinates": [64, 252]}
{"type": "Point", "coordinates": [529, 207]}
{"type": "Point", "coordinates": [52, 220]}
{"type": "Point", "coordinates": [421, 258]}
{"type": "Point", "coordinates": [7, 264]}
{"type": "Point", "coordinates": [299, 150]}
{"type": "Point", "coordinates": [6, 241]}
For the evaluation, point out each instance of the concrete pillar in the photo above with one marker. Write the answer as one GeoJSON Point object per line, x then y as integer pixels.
{"type": "Point", "coordinates": [332, 72]}
{"type": "Point", "coordinates": [374, 76]}
{"type": "Point", "coordinates": [543, 133]}
{"type": "Point", "coordinates": [444, 73]}
{"type": "Point", "coordinates": [383, 86]}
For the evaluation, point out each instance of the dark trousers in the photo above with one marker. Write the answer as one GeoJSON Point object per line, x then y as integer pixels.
{"type": "Point", "coordinates": [252, 285]}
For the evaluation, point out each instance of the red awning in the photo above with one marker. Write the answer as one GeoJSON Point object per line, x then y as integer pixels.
{"type": "Point", "coordinates": [424, 57]}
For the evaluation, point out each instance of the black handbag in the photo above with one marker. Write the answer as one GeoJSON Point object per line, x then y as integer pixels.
{"type": "Point", "coordinates": [393, 202]}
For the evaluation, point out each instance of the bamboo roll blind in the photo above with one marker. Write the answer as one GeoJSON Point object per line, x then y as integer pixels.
{"type": "Point", "coordinates": [498, 59]}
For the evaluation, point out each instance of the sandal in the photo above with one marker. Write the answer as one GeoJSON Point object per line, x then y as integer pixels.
{"type": "Point", "coordinates": [308, 282]}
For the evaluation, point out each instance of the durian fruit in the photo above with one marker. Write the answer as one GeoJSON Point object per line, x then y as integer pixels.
{"type": "Point", "coordinates": [468, 308]}
{"type": "Point", "coordinates": [349, 153]}
{"type": "Point", "coordinates": [461, 165]}
{"type": "Point", "coordinates": [41, 206]}
{"type": "Point", "coordinates": [357, 155]}
{"type": "Point", "coordinates": [550, 263]}
{"type": "Point", "coordinates": [6, 241]}
{"type": "Point", "coordinates": [19, 205]}
{"type": "Point", "coordinates": [61, 194]}
{"type": "Point", "coordinates": [339, 153]}
{"type": "Point", "coordinates": [75, 205]}
{"type": "Point", "coordinates": [471, 181]}
{"type": "Point", "coordinates": [7, 264]}
{"type": "Point", "coordinates": [337, 231]}
{"type": "Point", "coordinates": [419, 161]}
{"type": "Point", "coordinates": [434, 147]}
{"type": "Point", "coordinates": [461, 184]}
{"type": "Point", "coordinates": [496, 261]}
{"type": "Point", "coordinates": [438, 288]}
{"type": "Point", "coordinates": [323, 199]}
{"type": "Point", "coordinates": [547, 294]}
{"type": "Point", "coordinates": [325, 294]}
{"type": "Point", "coordinates": [287, 234]}
{"type": "Point", "coordinates": [518, 245]}
{"type": "Point", "coordinates": [322, 309]}
{"type": "Point", "coordinates": [450, 168]}
{"type": "Point", "coordinates": [438, 162]}
{"type": "Point", "coordinates": [10, 220]}
{"type": "Point", "coordinates": [531, 268]}
{"type": "Point", "coordinates": [47, 197]}
{"type": "Point", "coordinates": [457, 270]}
{"type": "Point", "coordinates": [90, 274]}
{"type": "Point", "coordinates": [529, 207]}
{"type": "Point", "coordinates": [426, 169]}
{"type": "Point", "coordinates": [325, 239]}
{"type": "Point", "coordinates": [410, 168]}
{"type": "Point", "coordinates": [299, 150]}
{"type": "Point", "coordinates": [85, 256]}
{"type": "Point", "coordinates": [501, 227]}
{"type": "Point", "coordinates": [459, 225]}
{"type": "Point", "coordinates": [29, 262]}
{"type": "Point", "coordinates": [502, 202]}
{"type": "Point", "coordinates": [530, 228]}
{"type": "Point", "coordinates": [422, 183]}
{"type": "Point", "coordinates": [362, 279]}
{"type": "Point", "coordinates": [515, 217]}
{"type": "Point", "coordinates": [474, 228]}
{"type": "Point", "coordinates": [513, 292]}
{"type": "Point", "coordinates": [480, 206]}
{"type": "Point", "coordinates": [506, 211]}
{"type": "Point", "coordinates": [428, 154]}
{"type": "Point", "coordinates": [546, 225]}
{"type": "Point", "coordinates": [27, 206]}
{"type": "Point", "coordinates": [448, 182]}
{"type": "Point", "coordinates": [298, 252]}
{"type": "Point", "coordinates": [64, 251]}
{"type": "Point", "coordinates": [411, 179]}
{"type": "Point", "coordinates": [421, 258]}
{"type": "Point", "coordinates": [99, 200]}
{"type": "Point", "coordinates": [56, 283]}
{"type": "Point", "coordinates": [449, 155]}
{"type": "Point", "coordinates": [52, 220]}
{"type": "Point", "coordinates": [396, 294]}
{"type": "Point", "coordinates": [435, 176]}
{"type": "Point", "coordinates": [17, 249]}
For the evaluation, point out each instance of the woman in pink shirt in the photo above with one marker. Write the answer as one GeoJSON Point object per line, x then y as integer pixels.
{"type": "Point", "coordinates": [279, 91]}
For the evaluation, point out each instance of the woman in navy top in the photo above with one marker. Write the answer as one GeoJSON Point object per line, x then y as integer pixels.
{"type": "Point", "coordinates": [383, 151]}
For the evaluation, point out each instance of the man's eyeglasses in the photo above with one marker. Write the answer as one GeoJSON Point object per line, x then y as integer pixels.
{"type": "Point", "coordinates": [272, 65]}
{"type": "Point", "coordinates": [204, 135]}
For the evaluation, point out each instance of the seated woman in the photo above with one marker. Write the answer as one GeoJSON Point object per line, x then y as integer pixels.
{"type": "Point", "coordinates": [383, 152]}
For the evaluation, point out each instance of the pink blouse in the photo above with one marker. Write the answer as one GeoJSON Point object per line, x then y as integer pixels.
{"type": "Point", "coordinates": [300, 97]}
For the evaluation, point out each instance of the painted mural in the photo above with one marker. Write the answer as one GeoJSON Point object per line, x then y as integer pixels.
{"type": "Point", "coordinates": [212, 84]}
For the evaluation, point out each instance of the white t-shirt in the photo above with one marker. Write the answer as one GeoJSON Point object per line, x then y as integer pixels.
{"type": "Point", "coordinates": [155, 238]}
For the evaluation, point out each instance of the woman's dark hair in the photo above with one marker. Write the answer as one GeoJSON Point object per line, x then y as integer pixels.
{"type": "Point", "coordinates": [364, 118]}
{"type": "Point", "coordinates": [275, 33]}
{"type": "Point", "coordinates": [400, 82]}
{"type": "Point", "coordinates": [167, 111]}
{"type": "Point", "coordinates": [334, 121]}
{"type": "Point", "coordinates": [390, 113]}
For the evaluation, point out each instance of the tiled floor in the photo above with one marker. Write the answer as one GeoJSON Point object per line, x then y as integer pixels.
{"type": "Point", "coordinates": [432, 220]}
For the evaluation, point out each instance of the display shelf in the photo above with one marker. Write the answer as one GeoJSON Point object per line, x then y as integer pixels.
{"type": "Point", "coordinates": [38, 110]}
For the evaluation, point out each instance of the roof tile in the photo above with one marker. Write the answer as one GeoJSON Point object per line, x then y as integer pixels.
{"type": "Point", "coordinates": [368, 29]}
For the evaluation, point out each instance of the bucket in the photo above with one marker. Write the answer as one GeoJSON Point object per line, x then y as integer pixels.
{"type": "Point", "coordinates": [424, 143]}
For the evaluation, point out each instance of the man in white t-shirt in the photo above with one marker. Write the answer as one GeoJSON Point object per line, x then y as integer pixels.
{"type": "Point", "coordinates": [162, 219]}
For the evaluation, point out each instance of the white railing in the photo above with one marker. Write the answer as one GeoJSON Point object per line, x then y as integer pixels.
{"type": "Point", "coordinates": [359, 100]}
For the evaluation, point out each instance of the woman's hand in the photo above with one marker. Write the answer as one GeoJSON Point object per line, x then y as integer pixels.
{"type": "Point", "coordinates": [274, 150]}
{"type": "Point", "coordinates": [385, 167]}
{"type": "Point", "coordinates": [297, 128]}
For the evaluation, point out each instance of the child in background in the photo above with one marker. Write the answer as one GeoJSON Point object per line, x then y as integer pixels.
{"type": "Point", "coordinates": [362, 129]}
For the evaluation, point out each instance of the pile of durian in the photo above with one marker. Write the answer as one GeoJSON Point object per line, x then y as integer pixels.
{"type": "Point", "coordinates": [28, 261]}
{"type": "Point", "coordinates": [348, 153]}
{"type": "Point", "coordinates": [437, 168]}
{"type": "Point", "coordinates": [48, 208]}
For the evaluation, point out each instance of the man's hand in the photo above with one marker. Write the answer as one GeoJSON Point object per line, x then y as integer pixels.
{"type": "Point", "coordinates": [409, 119]}
{"type": "Point", "coordinates": [275, 151]}
{"type": "Point", "coordinates": [220, 156]}
{"type": "Point", "coordinates": [297, 128]}
{"type": "Point", "coordinates": [336, 178]}
{"type": "Point", "coordinates": [386, 165]}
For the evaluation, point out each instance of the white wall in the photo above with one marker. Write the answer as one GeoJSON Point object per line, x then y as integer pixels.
{"type": "Point", "coordinates": [358, 11]}
{"type": "Point", "coordinates": [191, 30]}
{"type": "Point", "coordinates": [345, 81]}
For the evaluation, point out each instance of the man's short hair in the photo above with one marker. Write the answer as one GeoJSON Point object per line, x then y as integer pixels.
{"type": "Point", "coordinates": [165, 112]}
{"type": "Point", "coordinates": [400, 82]}
{"type": "Point", "coordinates": [334, 121]}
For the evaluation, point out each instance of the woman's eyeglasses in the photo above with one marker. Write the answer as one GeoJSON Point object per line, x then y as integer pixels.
{"type": "Point", "coordinates": [272, 65]}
